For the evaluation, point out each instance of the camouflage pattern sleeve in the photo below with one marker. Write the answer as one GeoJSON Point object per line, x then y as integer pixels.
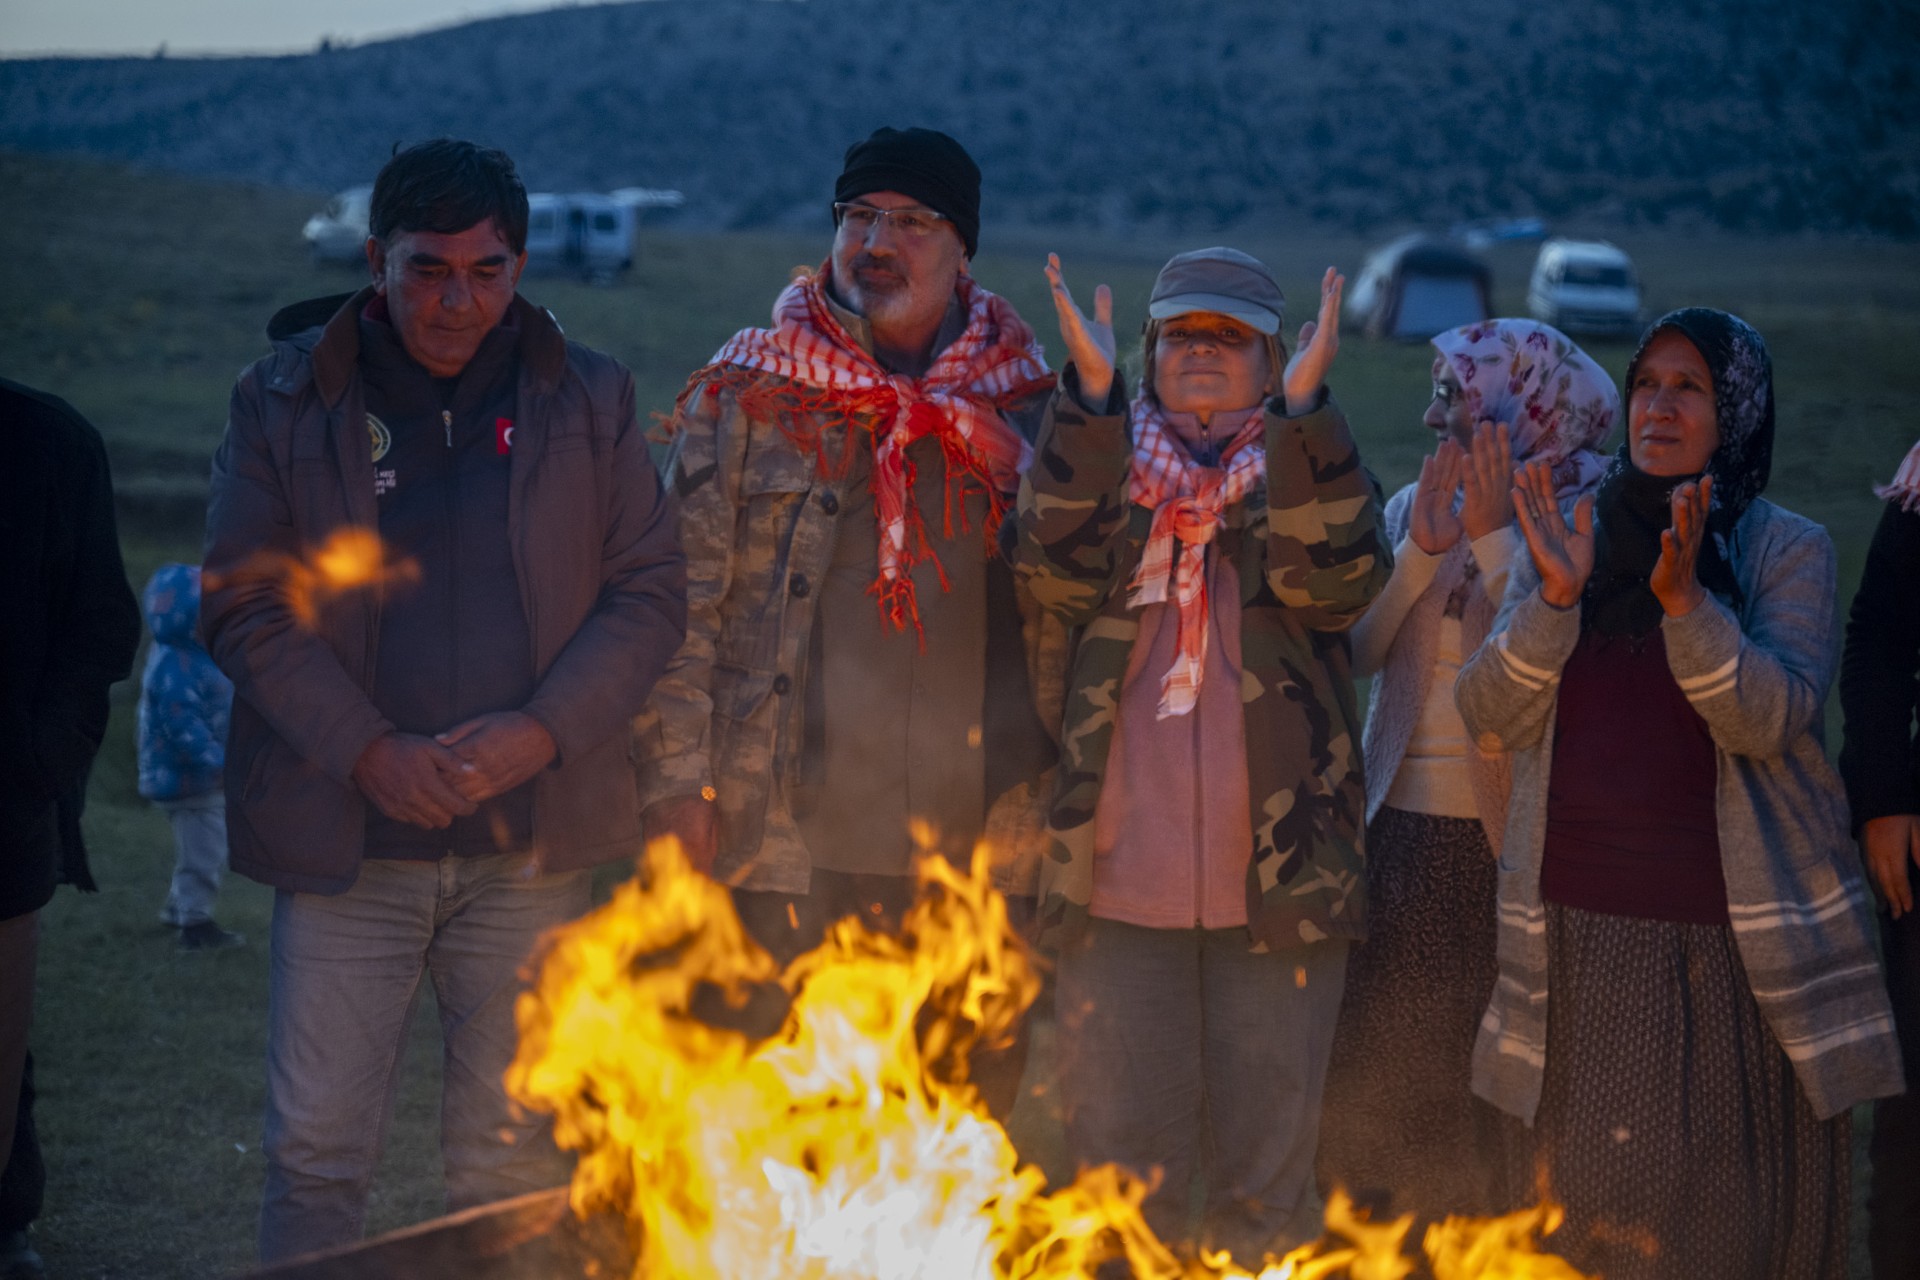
{"type": "Point", "coordinates": [708, 434]}
{"type": "Point", "coordinates": [1072, 526]}
{"type": "Point", "coordinates": [1327, 549]}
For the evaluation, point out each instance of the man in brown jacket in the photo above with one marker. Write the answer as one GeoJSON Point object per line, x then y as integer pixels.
{"type": "Point", "coordinates": [442, 576]}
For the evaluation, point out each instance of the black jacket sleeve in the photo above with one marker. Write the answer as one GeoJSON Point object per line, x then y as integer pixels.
{"type": "Point", "coordinates": [1878, 674]}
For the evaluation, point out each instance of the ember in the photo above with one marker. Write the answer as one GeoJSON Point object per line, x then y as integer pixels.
{"type": "Point", "coordinates": [850, 1144]}
{"type": "Point", "coordinates": [352, 559]}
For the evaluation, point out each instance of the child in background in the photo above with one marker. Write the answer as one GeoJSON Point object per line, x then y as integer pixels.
{"type": "Point", "coordinates": [184, 705]}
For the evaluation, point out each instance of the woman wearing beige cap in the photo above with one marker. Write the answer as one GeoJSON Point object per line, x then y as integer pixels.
{"type": "Point", "coordinates": [1213, 540]}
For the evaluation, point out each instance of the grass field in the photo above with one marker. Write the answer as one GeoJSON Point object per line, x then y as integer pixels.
{"type": "Point", "coordinates": [138, 297]}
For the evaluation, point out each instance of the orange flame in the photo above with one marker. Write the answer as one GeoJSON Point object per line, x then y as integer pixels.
{"type": "Point", "coordinates": [351, 559]}
{"type": "Point", "coordinates": [850, 1145]}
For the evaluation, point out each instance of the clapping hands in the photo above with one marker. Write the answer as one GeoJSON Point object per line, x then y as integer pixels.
{"type": "Point", "coordinates": [1089, 342]}
{"type": "Point", "coordinates": [1487, 475]}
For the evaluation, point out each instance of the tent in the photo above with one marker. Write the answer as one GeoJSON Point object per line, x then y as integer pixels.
{"type": "Point", "coordinates": [1420, 285]}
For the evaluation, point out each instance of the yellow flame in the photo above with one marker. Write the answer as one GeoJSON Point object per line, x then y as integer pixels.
{"type": "Point", "coordinates": [850, 1144]}
{"type": "Point", "coordinates": [351, 559]}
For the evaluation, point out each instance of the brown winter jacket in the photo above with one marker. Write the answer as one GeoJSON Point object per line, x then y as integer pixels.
{"type": "Point", "coordinates": [598, 569]}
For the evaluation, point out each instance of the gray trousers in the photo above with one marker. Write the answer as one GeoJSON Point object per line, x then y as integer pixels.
{"type": "Point", "coordinates": [1183, 1051]}
{"type": "Point", "coordinates": [199, 856]}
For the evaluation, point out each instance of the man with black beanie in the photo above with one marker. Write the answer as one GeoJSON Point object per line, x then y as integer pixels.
{"type": "Point", "coordinates": [806, 745]}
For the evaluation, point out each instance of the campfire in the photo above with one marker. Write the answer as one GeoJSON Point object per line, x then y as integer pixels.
{"type": "Point", "coordinates": [850, 1143]}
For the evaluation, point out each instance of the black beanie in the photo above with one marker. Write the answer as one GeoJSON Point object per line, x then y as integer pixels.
{"type": "Point", "coordinates": [923, 163]}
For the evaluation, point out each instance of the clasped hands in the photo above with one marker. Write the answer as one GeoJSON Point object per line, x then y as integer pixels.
{"type": "Point", "coordinates": [1090, 343]}
{"type": "Point", "coordinates": [1564, 554]}
{"type": "Point", "coordinates": [428, 782]}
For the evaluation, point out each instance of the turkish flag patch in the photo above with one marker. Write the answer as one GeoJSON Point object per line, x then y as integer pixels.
{"type": "Point", "coordinates": [503, 435]}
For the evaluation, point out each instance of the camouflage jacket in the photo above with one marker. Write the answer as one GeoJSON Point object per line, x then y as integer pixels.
{"type": "Point", "coordinates": [1311, 555]}
{"type": "Point", "coordinates": [758, 513]}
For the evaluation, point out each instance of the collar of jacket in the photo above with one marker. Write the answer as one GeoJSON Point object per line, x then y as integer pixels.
{"type": "Point", "coordinates": [328, 331]}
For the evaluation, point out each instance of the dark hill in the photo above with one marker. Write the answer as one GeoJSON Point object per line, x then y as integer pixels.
{"type": "Point", "coordinates": [1187, 114]}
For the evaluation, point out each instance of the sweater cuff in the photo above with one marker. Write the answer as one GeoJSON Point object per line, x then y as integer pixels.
{"type": "Point", "coordinates": [1542, 636]}
{"type": "Point", "coordinates": [1702, 641]}
{"type": "Point", "coordinates": [1493, 552]}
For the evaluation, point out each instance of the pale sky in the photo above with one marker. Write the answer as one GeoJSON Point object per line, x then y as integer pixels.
{"type": "Point", "coordinates": [224, 26]}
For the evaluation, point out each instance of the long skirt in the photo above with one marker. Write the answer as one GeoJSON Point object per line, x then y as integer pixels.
{"type": "Point", "coordinates": [1671, 1126]}
{"type": "Point", "coordinates": [1403, 1131]}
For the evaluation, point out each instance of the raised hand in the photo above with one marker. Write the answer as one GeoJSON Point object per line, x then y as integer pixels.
{"type": "Point", "coordinates": [1563, 556]}
{"type": "Point", "coordinates": [1089, 342]}
{"type": "Point", "coordinates": [1432, 524]}
{"type": "Point", "coordinates": [1313, 353]}
{"type": "Point", "coordinates": [1488, 503]}
{"type": "Point", "coordinates": [1675, 582]}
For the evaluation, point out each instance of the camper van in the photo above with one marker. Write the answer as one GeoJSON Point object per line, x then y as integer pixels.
{"type": "Point", "coordinates": [338, 233]}
{"type": "Point", "coordinates": [1584, 287]}
{"type": "Point", "coordinates": [583, 234]}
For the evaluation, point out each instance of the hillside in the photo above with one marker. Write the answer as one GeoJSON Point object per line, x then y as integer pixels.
{"type": "Point", "coordinates": [1172, 115]}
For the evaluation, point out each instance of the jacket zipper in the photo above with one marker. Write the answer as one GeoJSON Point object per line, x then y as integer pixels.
{"type": "Point", "coordinates": [453, 552]}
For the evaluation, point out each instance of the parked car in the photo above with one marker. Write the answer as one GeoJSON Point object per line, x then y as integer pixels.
{"type": "Point", "coordinates": [1585, 287]}
{"type": "Point", "coordinates": [338, 233]}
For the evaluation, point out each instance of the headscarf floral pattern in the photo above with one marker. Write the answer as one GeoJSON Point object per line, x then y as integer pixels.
{"type": "Point", "coordinates": [1558, 403]}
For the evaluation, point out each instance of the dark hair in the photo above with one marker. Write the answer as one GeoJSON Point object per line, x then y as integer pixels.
{"type": "Point", "coordinates": [446, 186]}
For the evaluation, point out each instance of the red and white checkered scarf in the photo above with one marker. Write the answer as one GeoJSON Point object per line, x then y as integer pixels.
{"type": "Point", "coordinates": [995, 363]}
{"type": "Point", "coordinates": [1189, 503]}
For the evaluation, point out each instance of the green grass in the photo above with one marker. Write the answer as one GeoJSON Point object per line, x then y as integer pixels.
{"type": "Point", "coordinates": [138, 297]}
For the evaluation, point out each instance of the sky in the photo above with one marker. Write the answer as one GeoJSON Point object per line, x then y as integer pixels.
{"type": "Point", "coordinates": [224, 26]}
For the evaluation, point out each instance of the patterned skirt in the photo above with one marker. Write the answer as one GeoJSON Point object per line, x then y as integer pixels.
{"type": "Point", "coordinates": [1671, 1125]}
{"type": "Point", "coordinates": [1401, 1129]}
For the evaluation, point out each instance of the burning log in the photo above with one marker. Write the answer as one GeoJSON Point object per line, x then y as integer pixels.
{"type": "Point", "coordinates": [531, 1237]}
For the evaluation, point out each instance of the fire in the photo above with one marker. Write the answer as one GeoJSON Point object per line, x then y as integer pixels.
{"type": "Point", "coordinates": [850, 1145]}
{"type": "Point", "coordinates": [351, 559]}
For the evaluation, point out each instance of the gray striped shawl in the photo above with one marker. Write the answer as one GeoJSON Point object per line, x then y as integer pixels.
{"type": "Point", "coordinates": [1800, 909]}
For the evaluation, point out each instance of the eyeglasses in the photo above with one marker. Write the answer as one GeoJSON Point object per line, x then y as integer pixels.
{"type": "Point", "coordinates": [1446, 393]}
{"type": "Point", "coordinates": [912, 221]}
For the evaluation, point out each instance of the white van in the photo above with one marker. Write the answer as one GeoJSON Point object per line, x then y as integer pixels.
{"type": "Point", "coordinates": [1585, 286]}
{"type": "Point", "coordinates": [584, 234]}
{"type": "Point", "coordinates": [338, 233]}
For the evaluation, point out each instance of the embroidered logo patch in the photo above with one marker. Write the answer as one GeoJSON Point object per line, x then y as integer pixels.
{"type": "Point", "coordinates": [503, 435]}
{"type": "Point", "coordinates": [381, 437]}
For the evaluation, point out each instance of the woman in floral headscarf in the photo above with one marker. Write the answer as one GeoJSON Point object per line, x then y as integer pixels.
{"type": "Point", "coordinates": [1401, 1122]}
{"type": "Point", "coordinates": [1676, 860]}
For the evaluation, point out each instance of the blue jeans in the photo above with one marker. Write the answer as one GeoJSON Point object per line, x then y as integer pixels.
{"type": "Point", "coordinates": [346, 975]}
{"type": "Point", "coordinates": [1182, 1049]}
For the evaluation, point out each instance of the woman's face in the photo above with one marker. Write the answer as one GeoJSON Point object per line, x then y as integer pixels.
{"type": "Point", "coordinates": [1447, 412]}
{"type": "Point", "coordinates": [1206, 363]}
{"type": "Point", "coordinates": [1672, 426]}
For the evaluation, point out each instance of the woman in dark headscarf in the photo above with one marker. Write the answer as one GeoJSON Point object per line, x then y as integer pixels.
{"type": "Point", "coordinates": [1676, 859]}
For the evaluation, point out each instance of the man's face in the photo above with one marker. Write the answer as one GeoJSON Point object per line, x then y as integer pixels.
{"type": "Point", "coordinates": [896, 280]}
{"type": "Point", "coordinates": [445, 291]}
